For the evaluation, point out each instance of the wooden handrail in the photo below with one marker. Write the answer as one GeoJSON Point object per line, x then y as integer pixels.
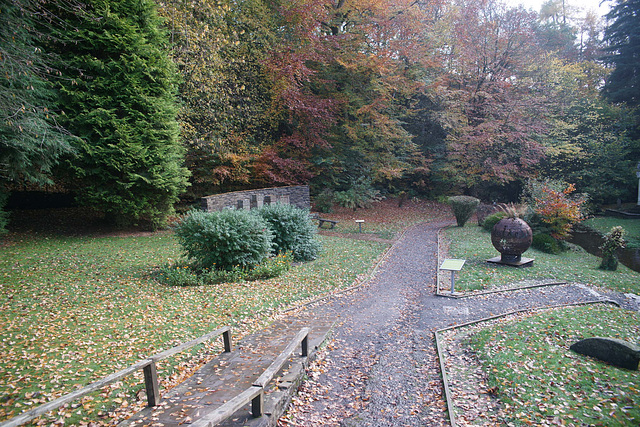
{"type": "Point", "coordinates": [255, 393]}
{"type": "Point", "coordinates": [150, 379]}
{"type": "Point", "coordinates": [267, 376]}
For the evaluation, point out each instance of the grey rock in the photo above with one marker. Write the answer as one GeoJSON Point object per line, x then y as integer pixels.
{"type": "Point", "coordinates": [617, 352]}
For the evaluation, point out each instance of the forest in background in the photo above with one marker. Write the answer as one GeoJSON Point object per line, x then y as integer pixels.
{"type": "Point", "coordinates": [134, 105]}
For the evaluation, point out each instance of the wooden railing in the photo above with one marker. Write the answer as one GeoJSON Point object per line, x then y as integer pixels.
{"type": "Point", "coordinates": [150, 379]}
{"type": "Point", "coordinates": [255, 393]}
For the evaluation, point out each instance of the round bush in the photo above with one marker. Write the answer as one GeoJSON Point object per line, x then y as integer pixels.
{"type": "Point", "coordinates": [492, 220]}
{"type": "Point", "coordinates": [224, 240]}
{"type": "Point", "coordinates": [292, 231]}
{"type": "Point", "coordinates": [463, 208]}
{"type": "Point", "coordinates": [546, 243]}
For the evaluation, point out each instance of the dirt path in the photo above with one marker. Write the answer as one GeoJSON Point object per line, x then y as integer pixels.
{"type": "Point", "coordinates": [380, 367]}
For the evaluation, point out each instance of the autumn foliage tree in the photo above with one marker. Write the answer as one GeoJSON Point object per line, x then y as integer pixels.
{"type": "Point", "coordinates": [226, 118]}
{"type": "Point", "coordinates": [492, 114]}
{"type": "Point", "coordinates": [344, 79]}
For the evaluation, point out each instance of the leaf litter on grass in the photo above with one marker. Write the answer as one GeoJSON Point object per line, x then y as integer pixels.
{"type": "Point", "coordinates": [77, 309]}
{"type": "Point", "coordinates": [519, 370]}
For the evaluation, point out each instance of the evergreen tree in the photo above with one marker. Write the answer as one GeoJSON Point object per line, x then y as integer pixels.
{"type": "Point", "coordinates": [31, 141]}
{"type": "Point", "coordinates": [622, 36]}
{"type": "Point", "coordinates": [119, 96]}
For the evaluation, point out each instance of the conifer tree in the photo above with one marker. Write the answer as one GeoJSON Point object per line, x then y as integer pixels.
{"type": "Point", "coordinates": [119, 97]}
{"type": "Point", "coordinates": [31, 141]}
{"type": "Point", "coordinates": [623, 51]}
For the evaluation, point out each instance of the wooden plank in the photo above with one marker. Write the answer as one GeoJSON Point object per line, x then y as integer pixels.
{"type": "Point", "coordinates": [185, 346]}
{"type": "Point", "coordinates": [55, 404]}
{"type": "Point", "coordinates": [273, 369]}
{"type": "Point", "coordinates": [229, 408]}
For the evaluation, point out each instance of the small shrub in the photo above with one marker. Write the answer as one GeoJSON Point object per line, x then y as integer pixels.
{"type": "Point", "coordinates": [547, 244]}
{"type": "Point", "coordinates": [178, 274]}
{"type": "Point", "coordinates": [271, 267]}
{"type": "Point", "coordinates": [491, 220]}
{"type": "Point", "coordinates": [483, 211]}
{"type": "Point", "coordinates": [554, 209]}
{"type": "Point", "coordinates": [613, 241]}
{"type": "Point", "coordinates": [293, 231]}
{"type": "Point", "coordinates": [360, 195]}
{"type": "Point", "coordinates": [224, 240]}
{"type": "Point", "coordinates": [323, 202]}
{"type": "Point", "coordinates": [183, 274]}
{"type": "Point", "coordinates": [267, 269]}
{"type": "Point", "coordinates": [463, 208]}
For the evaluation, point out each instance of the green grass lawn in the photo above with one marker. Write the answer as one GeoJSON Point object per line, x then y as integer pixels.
{"type": "Point", "coordinates": [604, 225]}
{"type": "Point", "coordinates": [473, 244]}
{"type": "Point", "coordinates": [539, 381]}
{"type": "Point", "coordinates": [75, 309]}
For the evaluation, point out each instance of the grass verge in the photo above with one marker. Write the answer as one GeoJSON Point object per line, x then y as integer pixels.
{"type": "Point", "coordinates": [75, 309]}
{"type": "Point", "coordinates": [473, 244]}
{"type": "Point", "coordinates": [605, 224]}
{"type": "Point", "coordinates": [537, 380]}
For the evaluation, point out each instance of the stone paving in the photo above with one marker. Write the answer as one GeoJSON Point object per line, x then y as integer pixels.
{"type": "Point", "coordinates": [380, 362]}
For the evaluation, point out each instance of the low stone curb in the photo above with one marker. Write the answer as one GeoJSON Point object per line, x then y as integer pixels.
{"type": "Point", "coordinates": [439, 347]}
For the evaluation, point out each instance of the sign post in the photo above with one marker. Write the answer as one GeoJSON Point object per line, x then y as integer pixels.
{"type": "Point", "coordinates": [452, 265]}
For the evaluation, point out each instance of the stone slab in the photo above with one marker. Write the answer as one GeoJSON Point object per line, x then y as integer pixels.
{"type": "Point", "coordinates": [524, 262]}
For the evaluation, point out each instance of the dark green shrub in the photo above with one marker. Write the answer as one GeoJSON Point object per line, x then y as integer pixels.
{"type": "Point", "coordinates": [323, 202]}
{"type": "Point", "coordinates": [292, 231]}
{"type": "Point", "coordinates": [4, 215]}
{"type": "Point", "coordinates": [270, 267]}
{"type": "Point", "coordinates": [183, 274]}
{"type": "Point", "coordinates": [224, 240]}
{"type": "Point", "coordinates": [483, 211]}
{"type": "Point", "coordinates": [463, 208]}
{"type": "Point", "coordinates": [491, 220]}
{"type": "Point", "coordinates": [613, 241]}
{"type": "Point", "coordinates": [360, 195]}
{"type": "Point", "coordinates": [178, 274]}
{"type": "Point", "coordinates": [545, 243]}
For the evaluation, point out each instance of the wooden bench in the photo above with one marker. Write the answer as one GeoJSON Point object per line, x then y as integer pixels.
{"type": "Point", "coordinates": [328, 221]}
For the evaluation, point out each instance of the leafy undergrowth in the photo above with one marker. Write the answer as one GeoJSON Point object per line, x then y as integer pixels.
{"type": "Point", "coordinates": [473, 244]}
{"type": "Point", "coordinates": [539, 381]}
{"type": "Point", "coordinates": [75, 309]}
{"type": "Point", "coordinates": [385, 219]}
{"type": "Point", "coordinates": [631, 227]}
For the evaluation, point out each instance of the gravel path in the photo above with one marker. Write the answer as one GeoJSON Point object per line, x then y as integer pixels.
{"type": "Point", "coordinates": [380, 367]}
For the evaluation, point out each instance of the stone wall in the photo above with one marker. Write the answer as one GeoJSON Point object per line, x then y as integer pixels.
{"type": "Point", "coordinates": [297, 195]}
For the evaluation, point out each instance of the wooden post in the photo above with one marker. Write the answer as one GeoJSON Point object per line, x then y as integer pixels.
{"type": "Point", "coordinates": [226, 337]}
{"type": "Point", "coordinates": [257, 405]}
{"type": "Point", "coordinates": [151, 384]}
{"type": "Point", "coordinates": [305, 346]}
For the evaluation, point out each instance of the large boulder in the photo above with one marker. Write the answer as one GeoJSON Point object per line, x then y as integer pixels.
{"type": "Point", "coordinates": [611, 350]}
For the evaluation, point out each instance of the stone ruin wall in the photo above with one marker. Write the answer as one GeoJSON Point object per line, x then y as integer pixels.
{"type": "Point", "coordinates": [297, 195]}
